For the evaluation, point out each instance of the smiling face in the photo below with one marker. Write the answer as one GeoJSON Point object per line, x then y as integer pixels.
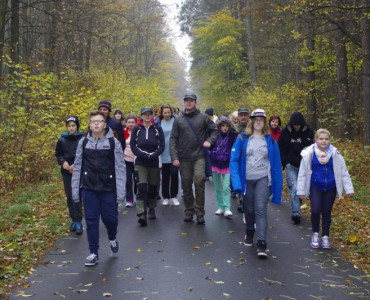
{"type": "Point", "coordinates": [118, 116]}
{"type": "Point", "coordinates": [274, 123]}
{"type": "Point", "coordinates": [130, 124]}
{"type": "Point", "coordinates": [105, 111]}
{"type": "Point", "coordinates": [190, 104]}
{"type": "Point", "coordinates": [167, 114]}
{"type": "Point", "coordinates": [322, 141]}
{"type": "Point", "coordinates": [72, 128]}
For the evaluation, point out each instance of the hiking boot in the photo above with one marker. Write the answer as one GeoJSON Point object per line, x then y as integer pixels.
{"type": "Point", "coordinates": [165, 202]}
{"type": "Point", "coordinates": [175, 202]}
{"type": "Point", "coordinates": [315, 241]}
{"type": "Point", "coordinates": [114, 246]}
{"type": "Point", "coordinates": [228, 213]}
{"type": "Point", "coordinates": [261, 249]}
{"type": "Point", "coordinates": [72, 227]}
{"type": "Point", "coordinates": [142, 220]}
{"type": "Point", "coordinates": [200, 220]}
{"type": "Point", "coordinates": [188, 218]}
{"type": "Point", "coordinates": [248, 238]}
{"type": "Point", "coordinates": [151, 214]}
{"type": "Point", "coordinates": [91, 260]}
{"type": "Point", "coordinates": [79, 229]}
{"type": "Point", "coordinates": [325, 242]}
{"type": "Point", "coordinates": [296, 220]}
{"type": "Point", "coordinates": [219, 212]}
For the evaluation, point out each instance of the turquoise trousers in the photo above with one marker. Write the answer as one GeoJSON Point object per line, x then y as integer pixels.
{"type": "Point", "coordinates": [222, 189]}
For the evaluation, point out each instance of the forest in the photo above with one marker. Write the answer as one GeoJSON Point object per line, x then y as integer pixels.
{"type": "Point", "coordinates": [61, 57]}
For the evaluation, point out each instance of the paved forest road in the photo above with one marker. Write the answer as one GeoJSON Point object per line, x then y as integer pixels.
{"type": "Point", "coordinates": [171, 259]}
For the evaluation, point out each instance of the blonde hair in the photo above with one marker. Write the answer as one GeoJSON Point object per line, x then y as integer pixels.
{"type": "Point", "coordinates": [250, 128]}
{"type": "Point", "coordinates": [322, 131]}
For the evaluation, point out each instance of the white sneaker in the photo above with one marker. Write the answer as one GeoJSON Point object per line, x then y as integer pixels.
{"type": "Point", "coordinates": [175, 202]}
{"type": "Point", "coordinates": [246, 222]}
{"type": "Point", "coordinates": [165, 202]}
{"type": "Point", "coordinates": [228, 214]}
{"type": "Point", "coordinates": [315, 242]}
{"type": "Point", "coordinates": [219, 212]}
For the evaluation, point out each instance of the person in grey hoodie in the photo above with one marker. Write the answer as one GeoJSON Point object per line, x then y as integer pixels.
{"type": "Point", "coordinates": [99, 173]}
{"type": "Point", "coordinates": [192, 131]}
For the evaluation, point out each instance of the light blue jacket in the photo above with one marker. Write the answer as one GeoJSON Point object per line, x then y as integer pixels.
{"type": "Point", "coordinates": [238, 164]}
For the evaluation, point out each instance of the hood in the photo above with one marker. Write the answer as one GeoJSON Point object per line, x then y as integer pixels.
{"type": "Point", "coordinates": [225, 120]}
{"type": "Point", "coordinates": [297, 119]}
{"type": "Point", "coordinates": [108, 134]}
{"type": "Point", "coordinates": [309, 150]}
{"type": "Point", "coordinates": [66, 134]}
{"type": "Point", "coordinates": [191, 114]}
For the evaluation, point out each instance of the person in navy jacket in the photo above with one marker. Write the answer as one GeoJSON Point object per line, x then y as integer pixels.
{"type": "Point", "coordinates": [255, 169]}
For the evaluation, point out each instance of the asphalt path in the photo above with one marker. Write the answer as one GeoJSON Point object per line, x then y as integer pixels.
{"type": "Point", "coordinates": [170, 259]}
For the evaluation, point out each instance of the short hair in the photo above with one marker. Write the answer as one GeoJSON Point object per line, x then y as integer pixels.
{"type": "Point", "coordinates": [131, 116]}
{"type": "Point", "coordinates": [320, 131]}
{"type": "Point", "coordinates": [234, 114]}
{"type": "Point", "coordinates": [96, 113]}
{"type": "Point", "coordinates": [163, 107]}
{"type": "Point", "coordinates": [250, 129]}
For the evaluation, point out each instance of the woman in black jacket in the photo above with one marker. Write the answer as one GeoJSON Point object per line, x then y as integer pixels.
{"type": "Point", "coordinates": [147, 143]}
{"type": "Point", "coordinates": [65, 152]}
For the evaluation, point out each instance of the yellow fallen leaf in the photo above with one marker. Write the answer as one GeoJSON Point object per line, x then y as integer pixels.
{"type": "Point", "coordinates": [219, 282]}
{"type": "Point", "coordinates": [28, 296]}
{"type": "Point", "coordinates": [207, 264]}
{"type": "Point", "coordinates": [62, 251]}
{"type": "Point", "coordinates": [226, 295]}
{"type": "Point", "coordinates": [352, 238]}
{"type": "Point", "coordinates": [139, 250]}
{"type": "Point", "coordinates": [128, 269]}
{"type": "Point", "coordinates": [196, 247]}
{"type": "Point", "coordinates": [104, 279]}
{"type": "Point", "coordinates": [183, 233]}
{"type": "Point", "coordinates": [107, 295]}
{"type": "Point", "coordinates": [139, 278]}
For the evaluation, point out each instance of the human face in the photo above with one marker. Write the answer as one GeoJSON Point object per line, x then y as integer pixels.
{"type": "Point", "coordinates": [235, 120]}
{"type": "Point", "coordinates": [323, 141]}
{"type": "Point", "coordinates": [105, 111]}
{"type": "Point", "coordinates": [97, 125]}
{"type": "Point", "coordinates": [189, 104]}
{"type": "Point", "coordinates": [243, 118]}
{"type": "Point", "coordinates": [167, 114]}
{"type": "Point", "coordinates": [224, 128]}
{"type": "Point", "coordinates": [118, 116]}
{"type": "Point", "coordinates": [274, 123]}
{"type": "Point", "coordinates": [130, 124]}
{"type": "Point", "coordinates": [297, 127]}
{"type": "Point", "coordinates": [147, 117]}
{"type": "Point", "coordinates": [258, 124]}
{"type": "Point", "coordinates": [72, 128]}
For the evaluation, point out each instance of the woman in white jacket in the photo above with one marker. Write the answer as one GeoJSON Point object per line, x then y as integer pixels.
{"type": "Point", "coordinates": [322, 175]}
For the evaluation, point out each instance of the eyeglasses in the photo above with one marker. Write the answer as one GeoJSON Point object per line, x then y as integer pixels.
{"type": "Point", "coordinates": [97, 122]}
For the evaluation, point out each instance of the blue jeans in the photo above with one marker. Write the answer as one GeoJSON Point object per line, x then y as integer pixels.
{"type": "Point", "coordinates": [291, 174]}
{"type": "Point", "coordinates": [98, 205]}
{"type": "Point", "coordinates": [255, 206]}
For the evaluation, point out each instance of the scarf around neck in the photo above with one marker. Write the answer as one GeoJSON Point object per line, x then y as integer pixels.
{"type": "Point", "coordinates": [323, 157]}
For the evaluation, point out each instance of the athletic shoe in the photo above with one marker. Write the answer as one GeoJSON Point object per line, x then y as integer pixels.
{"type": "Point", "coordinates": [325, 242]}
{"type": "Point", "coordinates": [79, 228]}
{"type": "Point", "coordinates": [165, 202]}
{"type": "Point", "coordinates": [248, 238]}
{"type": "Point", "coordinates": [315, 241]}
{"type": "Point", "coordinates": [219, 212]}
{"type": "Point", "coordinates": [296, 220]}
{"type": "Point", "coordinates": [91, 260]}
{"type": "Point", "coordinates": [244, 221]}
{"type": "Point", "coordinates": [188, 218]}
{"type": "Point", "coordinates": [142, 220]}
{"type": "Point", "coordinates": [72, 227]}
{"type": "Point", "coordinates": [175, 202]}
{"type": "Point", "coordinates": [130, 204]}
{"type": "Point", "coordinates": [228, 213]}
{"type": "Point", "coordinates": [200, 220]}
{"type": "Point", "coordinates": [261, 249]}
{"type": "Point", "coordinates": [151, 214]}
{"type": "Point", "coordinates": [114, 246]}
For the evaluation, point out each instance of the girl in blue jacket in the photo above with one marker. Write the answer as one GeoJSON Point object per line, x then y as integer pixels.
{"type": "Point", "coordinates": [255, 169]}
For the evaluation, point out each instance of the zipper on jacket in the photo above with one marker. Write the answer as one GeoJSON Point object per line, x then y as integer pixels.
{"type": "Point", "coordinates": [96, 162]}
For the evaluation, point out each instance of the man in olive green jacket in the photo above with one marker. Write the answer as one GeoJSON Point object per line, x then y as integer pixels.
{"type": "Point", "coordinates": [186, 151]}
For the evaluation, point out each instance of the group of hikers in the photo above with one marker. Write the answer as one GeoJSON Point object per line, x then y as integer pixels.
{"type": "Point", "coordinates": [246, 153]}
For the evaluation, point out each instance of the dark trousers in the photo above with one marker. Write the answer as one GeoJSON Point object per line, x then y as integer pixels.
{"type": "Point", "coordinates": [75, 209]}
{"type": "Point", "coordinates": [129, 180]}
{"type": "Point", "coordinates": [321, 205]}
{"type": "Point", "coordinates": [170, 181]}
{"type": "Point", "coordinates": [98, 205]}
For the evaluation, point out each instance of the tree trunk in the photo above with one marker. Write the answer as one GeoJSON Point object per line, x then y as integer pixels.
{"type": "Point", "coordinates": [3, 11]}
{"type": "Point", "coordinates": [250, 47]}
{"type": "Point", "coordinates": [14, 31]}
{"type": "Point", "coordinates": [345, 115]}
{"type": "Point", "coordinates": [310, 77]}
{"type": "Point", "coordinates": [365, 39]}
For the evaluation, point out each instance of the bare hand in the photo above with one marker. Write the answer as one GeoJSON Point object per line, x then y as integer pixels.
{"type": "Point", "coordinates": [176, 163]}
{"type": "Point", "coordinates": [65, 166]}
{"type": "Point", "coordinates": [206, 144]}
{"type": "Point", "coordinates": [303, 198]}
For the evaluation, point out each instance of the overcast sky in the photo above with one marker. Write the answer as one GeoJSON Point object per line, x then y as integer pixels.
{"type": "Point", "coordinates": [181, 42]}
